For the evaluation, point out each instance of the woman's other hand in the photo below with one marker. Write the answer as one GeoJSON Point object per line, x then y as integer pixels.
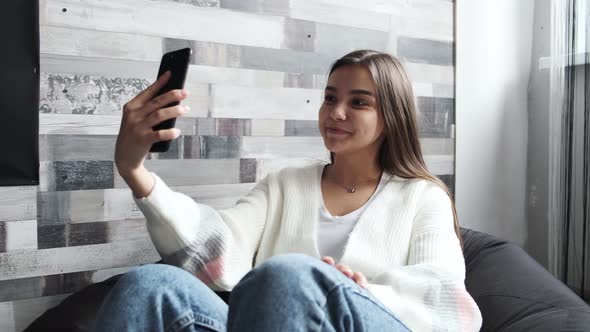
{"type": "Point", "coordinates": [358, 277]}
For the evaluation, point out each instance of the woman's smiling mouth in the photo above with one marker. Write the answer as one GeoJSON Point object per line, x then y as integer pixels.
{"type": "Point", "coordinates": [336, 131]}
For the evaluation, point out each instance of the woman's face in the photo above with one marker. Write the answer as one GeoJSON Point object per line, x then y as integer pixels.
{"type": "Point", "coordinates": [349, 119]}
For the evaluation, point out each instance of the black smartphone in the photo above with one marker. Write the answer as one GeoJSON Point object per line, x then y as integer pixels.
{"type": "Point", "coordinates": [177, 63]}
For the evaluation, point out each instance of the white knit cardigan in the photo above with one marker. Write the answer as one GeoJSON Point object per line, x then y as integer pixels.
{"type": "Point", "coordinates": [404, 242]}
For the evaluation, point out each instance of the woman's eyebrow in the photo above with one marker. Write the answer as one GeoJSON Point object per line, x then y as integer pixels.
{"type": "Point", "coordinates": [361, 92]}
{"type": "Point", "coordinates": [352, 92]}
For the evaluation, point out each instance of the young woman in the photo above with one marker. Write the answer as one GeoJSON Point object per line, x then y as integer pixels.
{"type": "Point", "coordinates": [368, 242]}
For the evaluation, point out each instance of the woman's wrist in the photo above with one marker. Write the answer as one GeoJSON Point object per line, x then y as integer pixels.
{"type": "Point", "coordinates": [140, 181]}
{"type": "Point", "coordinates": [128, 172]}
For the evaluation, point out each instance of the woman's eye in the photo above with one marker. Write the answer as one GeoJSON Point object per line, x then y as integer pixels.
{"type": "Point", "coordinates": [359, 102]}
{"type": "Point", "coordinates": [329, 99]}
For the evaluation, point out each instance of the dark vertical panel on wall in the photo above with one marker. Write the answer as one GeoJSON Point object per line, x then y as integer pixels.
{"type": "Point", "coordinates": [19, 93]}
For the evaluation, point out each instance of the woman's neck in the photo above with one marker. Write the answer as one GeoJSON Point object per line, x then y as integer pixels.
{"type": "Point", "coordinates": [349, 170]}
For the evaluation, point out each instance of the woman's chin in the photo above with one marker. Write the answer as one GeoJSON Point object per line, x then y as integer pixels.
{"type": "Point", "coordinates": [335, 148]}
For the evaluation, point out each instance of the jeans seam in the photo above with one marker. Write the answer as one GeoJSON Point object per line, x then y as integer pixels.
{"type": "Point", "coordinates": [181, 322]}
{"type": "Point", "coordinates": [343, 285]}
{"type": "Point", "coordinates": [194, 318]}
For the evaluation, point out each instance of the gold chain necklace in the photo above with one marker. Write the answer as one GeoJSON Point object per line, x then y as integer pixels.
{"type": "Point", "coordinates": [352, 190]}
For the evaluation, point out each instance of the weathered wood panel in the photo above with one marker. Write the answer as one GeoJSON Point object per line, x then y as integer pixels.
{"type": "Point", "coordinates": [265, 103]}
{"type": "Point", "coordinates": [87, 206]}
{"type": "Point", "coordinates": [18, 203]}
{"type": "Point", "coordinates": [166, 19]}
{"type": "Point", "coordinates": [34, 263]}
{"type": "Point", "coordinates": [17, 235]}
{"type": "Point", "coordinates": [51, 285]}
{"type": "Point", "coordinates": [100, 44]}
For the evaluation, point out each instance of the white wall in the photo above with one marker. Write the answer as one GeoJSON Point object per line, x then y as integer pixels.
{"type": "Point", "coordinates": [494, 41]}
{"type": "Point", "coordinates": [539, 138]}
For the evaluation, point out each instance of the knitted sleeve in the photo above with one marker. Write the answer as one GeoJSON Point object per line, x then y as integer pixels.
{"type": "Point", "coordinates": [428, 294]}
{"type": "Point", "coordinates": [216, 246]}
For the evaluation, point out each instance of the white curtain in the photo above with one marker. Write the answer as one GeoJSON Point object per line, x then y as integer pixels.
{"type": "Point", "coordinates": [569, 147]}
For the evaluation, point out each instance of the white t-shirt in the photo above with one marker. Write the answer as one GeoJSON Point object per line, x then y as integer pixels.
{"type": "Point", "coordinates": [333, 231]}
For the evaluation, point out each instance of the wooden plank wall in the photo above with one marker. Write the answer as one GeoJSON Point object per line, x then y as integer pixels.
{"type": "Point", "coordinates": [256, 85]}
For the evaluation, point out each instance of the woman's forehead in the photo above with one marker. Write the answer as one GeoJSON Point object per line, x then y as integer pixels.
{"type": "Point", "coordinates": [351, 78]}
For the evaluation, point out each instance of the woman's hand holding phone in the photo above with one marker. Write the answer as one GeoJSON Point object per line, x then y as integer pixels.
{"type": "Point", "coordinates": [136, 134]}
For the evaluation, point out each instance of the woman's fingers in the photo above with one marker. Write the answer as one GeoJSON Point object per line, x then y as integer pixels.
{"type": "Point", "coordinates": [164, 114]}
{"type": "Point", "coordinates": [345, 269]}
{"type": "Point", "coordinates": [164, 134]}
{"type": "Point", "coordinates": [360, 279]}
{"type": "Point", "coordinates": [162, 101]}
{"type": "Point", "coordinates": [149, 93]}
{"type": "Point", "coordinates": [329, 260]}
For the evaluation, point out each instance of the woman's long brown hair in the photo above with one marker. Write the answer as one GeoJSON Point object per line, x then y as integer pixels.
{"type": "Point", "coordinates": [400, 152]}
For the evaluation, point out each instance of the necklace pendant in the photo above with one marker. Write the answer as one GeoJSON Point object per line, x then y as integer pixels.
{"type": "Point", "coordinates": [351, 190]}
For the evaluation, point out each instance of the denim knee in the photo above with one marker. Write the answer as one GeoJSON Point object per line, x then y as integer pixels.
{"type": "Point", "coordinates": [151, 272]}
{"type": "Point", "coordinates": [152, 277]}
{"type": "Point", "coordinates": [166, 284]}
{"type": "Point", "coordinates": [288, 273]}
{"type": "Point", "coordinates": [291, 264]}
{"type": "Point", "coordinates": [161, 296]}
{"type": "Point", "coordinates": [289, 291]}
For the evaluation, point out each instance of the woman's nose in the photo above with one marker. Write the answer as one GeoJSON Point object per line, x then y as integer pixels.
{"type": "Point", "coordinates": [338, 113]}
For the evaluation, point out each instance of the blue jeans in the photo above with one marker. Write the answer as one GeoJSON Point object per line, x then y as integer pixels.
{"type": "Point", "coordinates": [292, 292]}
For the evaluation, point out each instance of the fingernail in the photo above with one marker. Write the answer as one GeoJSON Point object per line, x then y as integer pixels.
{"type": "Point", "coordinates": [186, 108]}
{"type": "Point", "coordinates": [185, 92]}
